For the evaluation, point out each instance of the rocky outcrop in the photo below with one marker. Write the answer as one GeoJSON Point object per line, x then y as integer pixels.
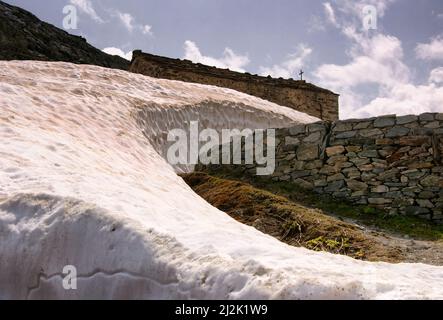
{"type": "Point", "coordinates": [24, 37]}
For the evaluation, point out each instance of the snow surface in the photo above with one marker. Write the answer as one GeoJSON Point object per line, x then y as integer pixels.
{"type": "Point", "coordinates": [82, 183]}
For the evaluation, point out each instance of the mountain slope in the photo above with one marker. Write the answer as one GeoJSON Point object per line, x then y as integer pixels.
{"type": "Point", "coordinates": [24, 37]}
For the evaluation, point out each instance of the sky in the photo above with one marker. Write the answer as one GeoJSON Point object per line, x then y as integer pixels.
{"type": "Point", "coordinates": [381, 56]}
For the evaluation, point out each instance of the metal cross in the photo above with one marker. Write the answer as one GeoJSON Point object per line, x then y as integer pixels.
{"type": "Point", "coordinates": [301, 74]}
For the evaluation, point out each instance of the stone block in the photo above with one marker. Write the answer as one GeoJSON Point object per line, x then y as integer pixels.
{"type": "Point", "coordinates": [358, 194]}
{"type": "Point", "coordinates": [316, 164]}
{"type": "Point", "coordinates": [297, 130]}
{"type": "Point", "coordinates": [316, 126]}
{"type": "Point", "coordinates": [427, 116]}
{"type": "Point", "coordinates": [336, 177]}
{"type": "Point", "coordinates": [414, 141]}
{"type": "Point", "coordinates": [313, 137]}
{"type": "Point", "coordinates": [307, 152]}
{"type": "Point", "coordinates": [355, 185]}
{"type": "Point", "coordinates": [346, 135]}
{"type": "Point", "coordinates": [343, 126]}
{"type": "Point", "coordinates": [393, 194]}
{"type": "Point", "coordinates": [362, 125]}
{"type": "Point", "coordinates": [406, 119]}
{"type": "Point", "coordinates": [384, 121]}
{"type": "Point", "coordinates": [367, 133]}
{"type": "Point", "coordinates": [334, 186]}
{"type": "Point", "coordinates": [320, 183]}
{"type": "Point", "coordinates": [379, 201]}
{"type": "Point", "coordinates": [354, 149]}
{"type": "Point", "coordinates": [389, 174]}
{"type": "Point", "coordinates": [416, 210]}
{"type": "Point", "coordinates": [367, 176]}
{"type": "Point", "coordinates": [432, 125]}
{"type": "Point", "coordinates": [332, 151]}
{"type": "Point", "coordinates": [337, 158]}
{"type": "Point", "coordinates": [368, 154]}
{"type": "Point", "coordinates": [366, 167]}
{"type": "Point", "coordinates": [359, 161]}
{"type": "Point", "coordinates": [431, 181]}
{"type": "Point", "coordinates": [397, 132]}
{"type": "Point", "coordinates": [291, 141]}
{"type": "Point", "coordinates": [329, 170]}
{"type": "Point", "coordinates": [304, 184]}
{"type": "Point", "coordinates": [424, 203]}
{"type": "Point", "coordinates": [384, 141]}
{"type": "Point", "coordinates": [426, 194]}
{"type": "Point", "coordinates": [351, 172]}
{"type": "Point", "coordinates": [413, 174]}
{"type": "Point", "coordinates": [422, 131]}
{"type": "Point", "coordinates": [300, 174]}
{"type": "Point", "coordinates": [380, 189]}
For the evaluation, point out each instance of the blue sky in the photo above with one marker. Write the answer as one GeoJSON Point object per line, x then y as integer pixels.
{"type": "Point", "coordinates": [395, 68]}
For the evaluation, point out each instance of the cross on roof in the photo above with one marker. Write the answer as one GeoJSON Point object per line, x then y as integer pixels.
{"type": "Point", "coordinates": [301, 74]}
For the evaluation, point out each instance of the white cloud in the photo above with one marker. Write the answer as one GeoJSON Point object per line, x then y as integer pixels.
{"type": "Point", "coordinates": [430, 51]}
{"type": "Point", "coordinates": [130, 24]}
{"type": "Point", "coordinates": [349, 13]}
{"type": "Point", "coordinates": [147, 29]}
{"type": "Point", "coordinates": [316, 23]}
{"type": "Point", "coordinates": [86, 7]}
{"type": "Point", "coordinates": [118, 52]}
{"type": "Point", "coordinates": [290, 67]}
{"type": "Point", "coordinates": [376, 60]}
{"type": "Point", "coordinates": [330, 13]}
{"type": "Point", "coordinates": [436, 75]}
{"type": "Point", "coordinates": [376, 63]}
{"type": "Point", "coordinates": [127, 20]}
{"type": "Point", "coordinates": [343, 14]}
{"type": "Point", "coordinates": [405, 99]}
{"type": "Point", "coordinates": [229, 59]}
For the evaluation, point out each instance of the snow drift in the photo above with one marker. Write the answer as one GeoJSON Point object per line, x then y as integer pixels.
{"type": "Point", "coordinates": [83, 182]}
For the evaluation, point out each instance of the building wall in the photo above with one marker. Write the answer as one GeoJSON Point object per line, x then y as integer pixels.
{"type": "Point", "coordinates": [299, 95]}
{"type": "Point", "coordinates": [393, 163]}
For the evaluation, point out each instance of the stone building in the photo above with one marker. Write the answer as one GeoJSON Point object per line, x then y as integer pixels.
{"type": "Point", "coordinates": [296, 94]}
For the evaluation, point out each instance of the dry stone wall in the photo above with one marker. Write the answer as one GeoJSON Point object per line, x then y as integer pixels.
{"type": "Point", "coordinates": [393, 163]}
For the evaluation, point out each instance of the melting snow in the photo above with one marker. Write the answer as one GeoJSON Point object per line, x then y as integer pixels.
{"type": "Point", "coordinates": [83, 182]}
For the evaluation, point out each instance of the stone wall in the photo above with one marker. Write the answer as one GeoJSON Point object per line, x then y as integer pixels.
{"type": "Point", "coordinates": [393, 163]}
{"type": "Point", "coordinates": [299, 95]}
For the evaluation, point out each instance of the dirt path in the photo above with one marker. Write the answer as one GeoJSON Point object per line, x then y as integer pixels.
{"type": "Point", "coordinates": [413, 250]}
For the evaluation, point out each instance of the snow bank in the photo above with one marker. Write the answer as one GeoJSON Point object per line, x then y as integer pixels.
{"type": "Point", "coordinates": [82, 183]}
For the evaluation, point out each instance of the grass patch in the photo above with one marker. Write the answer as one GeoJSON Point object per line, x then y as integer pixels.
{"type": "Point", "coordinates": [401, 225]}
{"type": "Point", "coordinates": [289, 221]}
{"type": "Point", "coordinates": [331, 245]}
